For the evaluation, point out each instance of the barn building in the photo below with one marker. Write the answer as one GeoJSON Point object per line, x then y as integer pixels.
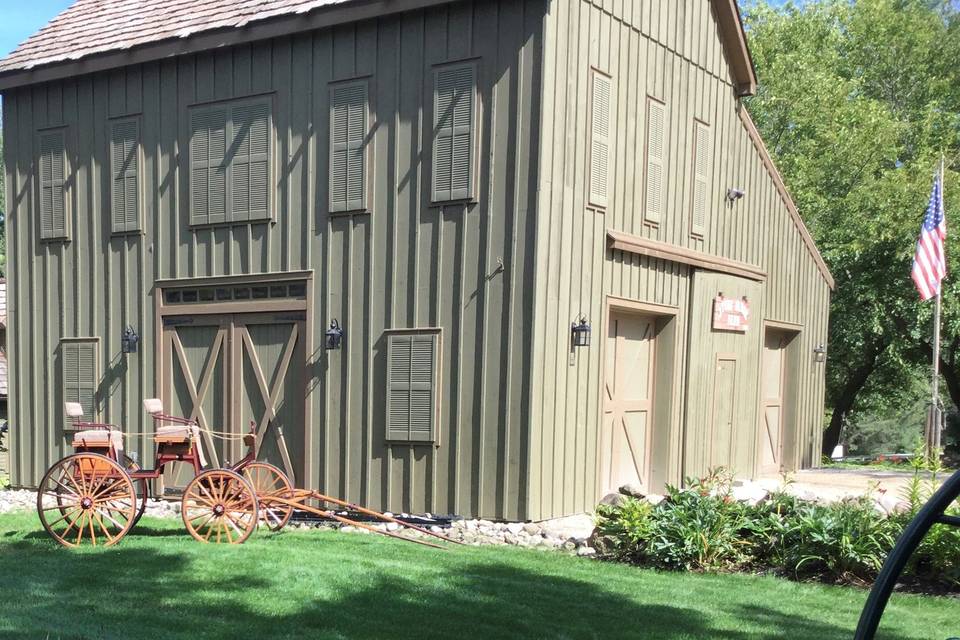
{"type": "Point", "coordinates": [485, 257]}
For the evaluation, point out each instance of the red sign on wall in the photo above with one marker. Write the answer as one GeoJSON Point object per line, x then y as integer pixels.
{"type": "Point", "coordinates": [731, 314]}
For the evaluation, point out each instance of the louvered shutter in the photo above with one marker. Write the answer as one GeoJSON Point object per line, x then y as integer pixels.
{"type": "Point", "coordinates": [125, 165]}
{"type": "Point", "coordinates": [656, 152]}
{"type": "Point", "coordinates": [412, 387]}
{"type": "Point", "coordinates": [208, 175]}
{"type": "Point", "coordinates": [79, 370]}
{"type": "Point", "coordinates": [249, 162]}
{"type": "Point", "coordinates": [348, 132]}
{"type": "Point", "coordinates": [454, 114]}
{"type": "Point", "coordinates": [53, 169]}
{"type": "Point", "coordinates": [701, 178]}
{"type": "Point", "coordinates": [600, 140]}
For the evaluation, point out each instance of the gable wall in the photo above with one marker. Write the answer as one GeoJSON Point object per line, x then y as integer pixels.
{"type": "Point", "coordinates": [671, 50]}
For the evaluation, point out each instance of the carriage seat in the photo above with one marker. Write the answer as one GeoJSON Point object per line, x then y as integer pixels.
{"type": "Point", "coordinates": [99, 439]}
{"type": "Point", "coordinates": [173, 434]}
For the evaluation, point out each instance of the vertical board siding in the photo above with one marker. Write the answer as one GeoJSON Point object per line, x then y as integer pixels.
{"type": "Point", "coordinates": [669, 51]}
{"type": "Point", "coordinates": [405, 264]}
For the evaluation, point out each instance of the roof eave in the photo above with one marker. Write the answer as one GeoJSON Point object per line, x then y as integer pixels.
{"type": "Point", "coordinates": [738, 51]}
{"type": "Point", "coordinates": [214, 39]}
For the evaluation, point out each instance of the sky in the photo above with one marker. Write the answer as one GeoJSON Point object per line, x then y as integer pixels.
{"type": "Point", "coordinates": [19, 19]}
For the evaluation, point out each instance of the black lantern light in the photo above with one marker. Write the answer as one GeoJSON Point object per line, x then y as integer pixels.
{"type": "Point", "coordinates": [580, 333]}
{"type": "Point", "coordinates": [820, 354]}
{"type": "Point", "coordinates": [129, 340]}
{"type": "Point", "coordinates": [334, 335]}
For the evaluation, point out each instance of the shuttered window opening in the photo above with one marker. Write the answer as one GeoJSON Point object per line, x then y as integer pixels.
{"type": "Point", "coordinates": [656, 160]}
{"type": "Point", "coordinates": [52, 178]}
{"type": "Point", "coordinates": [412, 381]}
{"type": "Point", "coordinates": [348, 133]}
{"type": "Point", "coordinates": [600, 130]}
{"type": "Point", "coordinates": [80, 373]}
{"type": "Point", "coordinates": [230, 152]}
{"type": "Point", "coordinates": [125, 176]}
{"type": "Point", "coordinates": [454, 123]}
{"type": "Point", "coordinates": [701, 177]}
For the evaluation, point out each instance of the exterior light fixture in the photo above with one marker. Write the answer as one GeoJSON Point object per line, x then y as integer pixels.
{"type": "Point", "coordinates": [580, 333]}
{"type": "Point", "coordinates": [820, 354]}
{"type": "Point", "coordinates": [735, 194]}
{"type": "Point", "coordinates": [129, 340]}
{"type": "Point", "coordinates": [334, 336]}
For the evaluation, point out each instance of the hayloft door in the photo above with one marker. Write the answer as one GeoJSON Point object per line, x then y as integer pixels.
{"type": "Point", "coordinates": [628, 401]}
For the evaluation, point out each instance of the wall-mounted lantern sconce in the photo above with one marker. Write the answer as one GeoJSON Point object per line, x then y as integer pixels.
{"type": "Point", "coordinates": [735, 194]}
{"type": "Point", "coordinates": [580, 333]}
{"type": "Point", "coordinates": [820, 354]}
{"type": "Point", "coordinates": [129, 340]}
{"type": "Point", "coordinates": [334, 336]}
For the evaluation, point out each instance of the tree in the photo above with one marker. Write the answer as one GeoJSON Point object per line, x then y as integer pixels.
{"type": "Point", "coordinates": [856, 101]}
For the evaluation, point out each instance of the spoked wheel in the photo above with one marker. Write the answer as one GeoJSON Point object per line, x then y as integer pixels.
{"type": "Point", "coordinates": [219, 506]}
{"type": "Point", "coordinates": [268, 481]}
{"type": "Point", "coordinates": [139, 484]}
{"type": "Point", "coordinates": [86, 499]}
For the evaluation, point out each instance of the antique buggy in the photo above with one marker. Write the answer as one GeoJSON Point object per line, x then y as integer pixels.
{"type": "Point", "coordinates": [97, 494]}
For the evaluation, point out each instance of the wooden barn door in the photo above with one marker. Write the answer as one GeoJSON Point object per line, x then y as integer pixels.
{"type": "Point", "coordinates": [196, 384]}
{"type": "Point", "coordinates": [772, 401]}
{"type": "Point", "coordinates": [230, 370]}
{"type": "Point", "coordinates": [628, 401]}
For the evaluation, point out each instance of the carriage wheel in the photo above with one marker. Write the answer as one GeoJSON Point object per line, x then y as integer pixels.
{"type": "Point", "coordinates": [267, 480]}
{"type": "Point", "coordinates": [219, 506]}
{"type": "Point", "coordinates": [86, 498]}
{"type": "Point", "coordinates": [140, 484]}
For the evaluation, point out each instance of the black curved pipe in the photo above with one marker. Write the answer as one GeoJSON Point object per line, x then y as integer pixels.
{"type": "Point", "coordinates": [909, 540]}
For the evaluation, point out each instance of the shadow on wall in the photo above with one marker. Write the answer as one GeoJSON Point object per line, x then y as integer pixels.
{"type": "Point", "coordinates": [141, 592]}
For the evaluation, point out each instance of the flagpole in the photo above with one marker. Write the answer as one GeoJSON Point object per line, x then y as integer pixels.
{"type": "Point", "coordinates": [935, 420]}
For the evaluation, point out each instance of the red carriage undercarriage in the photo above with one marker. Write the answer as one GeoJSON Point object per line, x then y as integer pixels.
{"type": "Point", "coordinates": [97, 494]}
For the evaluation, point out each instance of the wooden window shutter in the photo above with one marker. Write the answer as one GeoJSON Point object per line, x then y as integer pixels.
{"type": "Point", "coordinates": [412, 387]}
{"type": "Point", "coordinates": [53, 174]}
{"type": "Point", "coordinates": [600, 130]}
{"type": "Point", "coordinates": [701, 178]}
{"type": "Point", "coordinates": [454, 115]}
{"type": "Point", "coordinates": [348, 132]}
{"type": "Point", "coordinates": [208, 176]}
{"type": "Point", "coordinates": [249, 161]}
{"type": "Point", "coordinates": [125, 184]}
{"type": "Point", "coordinates": [78, 361]}
{"type": "Point", "coordinates": [656, 152]}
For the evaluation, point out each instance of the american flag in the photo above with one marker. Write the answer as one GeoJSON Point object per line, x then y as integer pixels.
{"type": "Point", "coordinates": [930, 263]}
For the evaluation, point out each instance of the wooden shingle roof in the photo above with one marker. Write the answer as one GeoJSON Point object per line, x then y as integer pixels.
{"type": "Point", "coordinates": [89, 27]}
{"type": "Point", "coordinates": [94, 35]}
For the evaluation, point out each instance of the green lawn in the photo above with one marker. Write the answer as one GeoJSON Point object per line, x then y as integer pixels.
{"type": "Point", "coordinates": [159, 583]}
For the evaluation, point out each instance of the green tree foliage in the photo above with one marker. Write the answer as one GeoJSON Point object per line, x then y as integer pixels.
{"type": "Point", "coordinates": [856, 101]}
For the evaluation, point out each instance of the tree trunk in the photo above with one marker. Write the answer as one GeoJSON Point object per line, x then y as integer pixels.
{"type": "Point", "coordinates": [848, 397]}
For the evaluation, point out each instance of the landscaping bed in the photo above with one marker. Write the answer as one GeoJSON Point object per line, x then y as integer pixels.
{"type": "Point", "coordinates": [160, 583]}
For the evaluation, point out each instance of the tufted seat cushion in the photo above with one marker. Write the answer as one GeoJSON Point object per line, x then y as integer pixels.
{"type": "Point", "coordinates": [99, 438]}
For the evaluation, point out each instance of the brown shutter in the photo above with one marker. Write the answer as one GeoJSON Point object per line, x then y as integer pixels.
{"type": "Point", "coordinates": [600, 130]}
{"type": "Point", "coordinates": [78, 361]}
{"type": "Point", "coordinates": [454, 115]}
{"type": "Point", "coordinates": [348, 132]}
{"type": "Point", "coordinates": [208, 178]}
{"type": "Point", "coordinates": [412, 387]}
{"type": "Point", "coordinates": [701, 177]}
{"type": "Point", "coordinates": [249, 161]}
{"type": "Point", "coordinates": [53, 170]}
{"type": "Point", "coordinates": [125, 165]}
{"type": "Point", "coordinates": [656, 152]}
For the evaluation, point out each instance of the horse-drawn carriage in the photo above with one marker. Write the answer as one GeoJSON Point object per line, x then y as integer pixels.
{"type": "Point", "coordinates": [97, 494]}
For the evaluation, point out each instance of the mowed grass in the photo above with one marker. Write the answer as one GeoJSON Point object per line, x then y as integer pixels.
{"type": "Point", "coordinates": [160, 583]}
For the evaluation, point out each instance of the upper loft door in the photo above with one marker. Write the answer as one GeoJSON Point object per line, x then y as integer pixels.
{"type": "Point", "coordinates": [628, 401]}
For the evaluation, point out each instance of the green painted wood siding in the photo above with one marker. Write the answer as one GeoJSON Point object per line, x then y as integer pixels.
{"type": "Point", "coordinates": [408, 263]}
